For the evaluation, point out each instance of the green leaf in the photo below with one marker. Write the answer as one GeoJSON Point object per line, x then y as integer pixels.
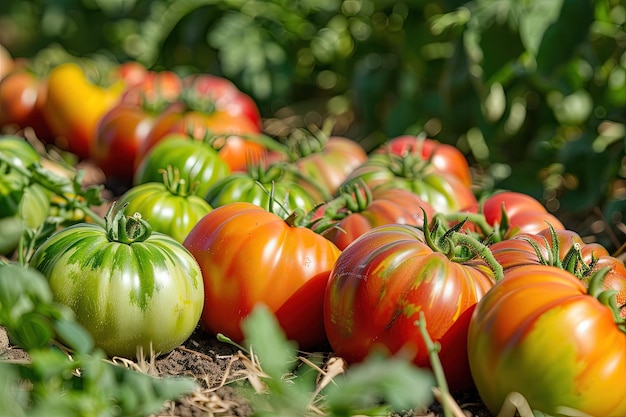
{"type": "Point", "coordinates": [381, 380]}
{"type": "Point", "coordinates": [563, 36]}
{"type": "Point", "coordinates": [267, 340]}
{"type": "Point", "coordinates": [535, 20]}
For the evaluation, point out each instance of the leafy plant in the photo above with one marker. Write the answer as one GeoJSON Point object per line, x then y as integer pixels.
{"type": "Point", "coordinates": [290, 385]}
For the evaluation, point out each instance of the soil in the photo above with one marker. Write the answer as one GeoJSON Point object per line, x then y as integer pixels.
{"type": "Point", "coordinates": [220, 370]}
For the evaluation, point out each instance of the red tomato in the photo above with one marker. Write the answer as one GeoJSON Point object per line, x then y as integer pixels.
{"type": "Point", "coordinates": [540, 332]}
{"type": "Point", "coordinates": [22, 94]}
{"type": "Point", "coordinates": [358, 210]}
{"type": "Point", "coordinates": [248, 256]}
{"type": "Point", "coordinates": [444, 157]}
{"type": "Point", "coordinates": [199, 125]}
{"type": "Point", "coordinates": [524, 214]}
{"type": "Point", "coordinates": [123, 129]}
{"type": "Point", "coordinates": [383, 281]}
{"type": "Point", "coordinates": [223, 95]}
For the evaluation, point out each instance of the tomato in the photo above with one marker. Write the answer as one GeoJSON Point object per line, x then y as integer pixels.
{"type": "Point", "coordinates": [321, 164]}
{"type": "Point", "coordinates": [248, 256]}
{"type": "Point", "coordinates": [259, 186]}
{"type": "Point", "coordinates": [169, 206]}
{"type": "Point", "coordinates": [541, 333]}
{"type": "Point", "coordinates": [124, 128]}
{"type": "Point", "coordinates": [220, 93]}
{"type": "Point", "coordinates": [383, 281]}
{"type": "Point", "coordinates": [198, 163]}
{"type": "Point", "coordinates": [561, 248]}
{"type": "Point", "coordinates": [523, 214]}
{"type": "Point", "coordinates": [129, 287]}
{"type": "Point", "coordinates": [444, 157]}
{"type": "Point", "coordinates": [357, 209]}
{"type": "Point", "coordinates": [74, 105]}
{"type": "Point", "coordinates": [445, 192]}
{"type": "Point", "coordinates": [22, 205]}
{"type": "Point", "coordinates": [22, 94]}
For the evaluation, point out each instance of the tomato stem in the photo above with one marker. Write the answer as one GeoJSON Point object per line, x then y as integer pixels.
{"type": "Point", "coordinates": [126, 229]}
{"type": "Point", "coordinates": [435, 363]}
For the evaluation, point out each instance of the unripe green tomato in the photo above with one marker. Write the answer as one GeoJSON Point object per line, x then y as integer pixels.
{"type": "Point", "coordinates": [130, 288]}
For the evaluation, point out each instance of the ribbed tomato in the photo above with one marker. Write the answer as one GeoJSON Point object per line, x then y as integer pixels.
{"type": "Point", "coordinates": [248, 256]}
{"type": "Point", "coordinates": [565, 249]}
{"type": "Point", "coordinates": [540, 332]}
{"type": "Point", "coordinates": [130, 288]}
{"type": "Point", "coordinates": [383, 281]}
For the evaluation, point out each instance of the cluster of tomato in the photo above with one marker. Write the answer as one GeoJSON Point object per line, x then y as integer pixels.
{"type": "Point", "coordinates": [345, 247]}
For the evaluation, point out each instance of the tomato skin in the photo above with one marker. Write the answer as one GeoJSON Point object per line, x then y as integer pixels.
{"type": "Point", "coordinates": [381, 283]}
{"type": "Point", "coordinates": [146, 293]}
{"type": "Point", "coordinates": [329, 167]}
{"type": "Point", "coordinates": [124, 128]}
{"type": "Point", "coordinates": [176, 119]}
{"type": "Point", "coordinates": [166, 211]}
{"type": "Point", "coordinates": [22, 94]}
{"type": "Point", "coordinates": [74, 106]}
{"type": "Point", "coordinates": [444, 192]}
{"type": "Point", "coordinates": [249, 256]}
{"type": "Point", "coordinates": [197, 162]}
{"type": "Point", "coordinates": [7, 63]}
{"type": "Point", "coordinates": [525, 213]}
{"type": "Point", "coordinates": [119, 135]}
{"type": "Point", "coordinates": [255, 187]}
{"type": "Point", "coordinates": [224, 95]}
{"type": "Point", "coordinates": [445, 158]}
{"type": "Point", "coordinates": [387, 206]}
{"type": "Point", "coordinates": [518, 251]}
{"type": "Point", "coordinates": [537, 332]}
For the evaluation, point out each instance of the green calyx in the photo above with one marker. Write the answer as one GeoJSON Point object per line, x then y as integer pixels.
{"type": "Point", "coordinates": [607, 297]}
{"type": "Point", "coordinates": [126, 229]}
{"type": "Point", "coordinates": [175, 184]}
{"type": "Point", "coordinates": [458, 246]}
{"type": "Point", "coordinates": [572, 261]}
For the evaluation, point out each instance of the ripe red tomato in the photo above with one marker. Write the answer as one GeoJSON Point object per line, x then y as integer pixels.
{"type": "Point", "coordinates": [539, 332]}
{"type": "Point", "coordinates": [124, 128]}
{"type": "Point", "coordinates": [524, 214]}
{"type": "Point", "coordinates": [22, 94]}
{"type": "Point", "coordinates": [383, 281]}
{"type": "Point", "coordinates": [248, 256]}
{"type": "Point", "coordinates": [7, 63]}
{"type": "Point", "coordinates": [444, 157]}
{"type": "Point", "coordinates": [223, 95]}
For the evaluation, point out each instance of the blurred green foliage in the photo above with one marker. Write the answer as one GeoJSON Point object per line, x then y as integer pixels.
{"type": "Point", "coordinates": [534, 91]}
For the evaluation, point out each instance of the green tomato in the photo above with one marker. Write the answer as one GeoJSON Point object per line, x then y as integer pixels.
{"type": "Point", "coordinates": [196, 160]}
{"type": "Point", "coordinates": [169, 207]}
{"type": "Point", "coordinates": [255, 187]}
{"type": "Point", "coordinates": [130, 288]}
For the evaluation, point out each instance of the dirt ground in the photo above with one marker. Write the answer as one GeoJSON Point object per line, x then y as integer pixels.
{"type": "Point", "coordinates": [215, 366]}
